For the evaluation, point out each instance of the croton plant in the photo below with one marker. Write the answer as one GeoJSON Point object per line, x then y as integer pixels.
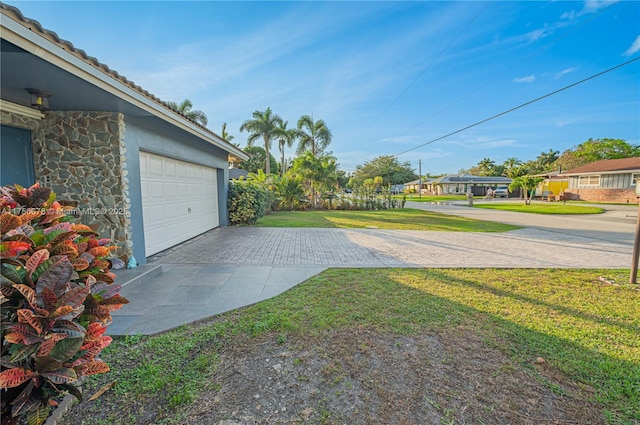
{"type": "Point", "coordinates": [57, 295]}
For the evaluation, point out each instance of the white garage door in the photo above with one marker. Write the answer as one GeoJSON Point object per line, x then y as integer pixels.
{"type": "Point", "coordinates": [179, 201]}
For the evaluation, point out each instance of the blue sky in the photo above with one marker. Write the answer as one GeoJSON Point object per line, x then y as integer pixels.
{"type": "Point", "coordinates": [386, 77]}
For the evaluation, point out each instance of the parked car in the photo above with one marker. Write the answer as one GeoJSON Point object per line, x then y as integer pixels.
{"type": "Point", "coordinates": [397, 189]}
{"type": "Point", "coordinates": [501, 192]}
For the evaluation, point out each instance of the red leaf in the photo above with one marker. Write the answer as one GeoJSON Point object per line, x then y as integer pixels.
{"type": "Point", "coordinates": [28, 294]}
{"type": "Point", "coordinates": [36, 259]}
{"type": "Point", "coordinates": [67, 312]}
{"type": "Point", "coordinates": [9, 249]}
{"type": "Point", "coordinates": [83, 229]}
{"type": "Point", "coordinates": [11, 378]}
{"type": "Point", "coordinates": [8, 222]}
{"type": "Point", "coordinates": [67, 248]}
{"type": "Point", "coordinates": [14, 338]}
{"type": "Point", "coordinates": [93, 368]}
{"type": "Point", "coordinates": [49, 299]}
{"type": "Point", "coordinates": [27, 217]}
{"type": "Point", "coordinates": [27, 332]}
{"type": "Point", "coordinates": [27, 316]}
{"type": "Point", "coordinates": [79, 264]}
{"type": "Point", "coordinates": [100, 251]}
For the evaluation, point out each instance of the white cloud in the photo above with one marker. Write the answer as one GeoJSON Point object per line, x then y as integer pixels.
{"type": "Point", "coordinates": [529, 79]}
{"type": "Point", "coordinates": [563, 72]}
{"type": "Point", "coordinates": [592, 6]}
{"type": "Point", "coordinates": [634, 48]}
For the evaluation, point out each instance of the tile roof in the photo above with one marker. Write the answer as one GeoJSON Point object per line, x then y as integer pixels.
{"type": "Point", "coordinates": [612, 165]}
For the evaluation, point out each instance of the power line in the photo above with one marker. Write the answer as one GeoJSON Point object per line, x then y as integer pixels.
{"type": "Point", "coordinates": [521, 105]}
{"type": "Point", "coordinates": [555, 40]}
{"type": "Point", "coordinates": [432, 62]}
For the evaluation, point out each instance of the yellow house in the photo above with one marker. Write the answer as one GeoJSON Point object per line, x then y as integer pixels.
{"type": "Point", "coordinates": [553, 185]}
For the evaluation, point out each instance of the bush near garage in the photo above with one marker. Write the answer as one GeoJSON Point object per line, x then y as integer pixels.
{"type": "Point", "coordinates": [248, 201]}
{"type": "Point", "coordinates": [57, 295]}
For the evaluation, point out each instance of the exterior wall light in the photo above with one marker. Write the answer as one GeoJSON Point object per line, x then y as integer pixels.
{"type": "Point", "coordinates": [39, 99]}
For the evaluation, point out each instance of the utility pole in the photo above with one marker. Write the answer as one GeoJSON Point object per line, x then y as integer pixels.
{"type": "Point", "coordinates": [636, 243]}
{"type": "Point", "coordinates": [420, 179]}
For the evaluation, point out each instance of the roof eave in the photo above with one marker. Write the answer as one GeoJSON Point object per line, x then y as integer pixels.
{"type": "Point", "coordinates": [17, 31]}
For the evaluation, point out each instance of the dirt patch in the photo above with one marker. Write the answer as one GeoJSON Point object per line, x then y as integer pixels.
{"type": "Point", "coordinates": [362, 377]}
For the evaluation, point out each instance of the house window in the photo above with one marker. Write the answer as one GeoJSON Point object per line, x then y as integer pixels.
{"type": "Point", "coordinates": [589, 181]}
{"type": "Point", "coordinates": [633, 179]}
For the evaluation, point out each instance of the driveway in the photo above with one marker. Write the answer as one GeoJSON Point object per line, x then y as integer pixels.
{"type": "Point", "coordinates": [232, 267]}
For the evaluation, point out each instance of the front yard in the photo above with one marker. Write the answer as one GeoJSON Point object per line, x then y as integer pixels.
{"type": "Point", "coordinates": [413, 346]}
{"type": "Point", "coordinates": [396, 219]}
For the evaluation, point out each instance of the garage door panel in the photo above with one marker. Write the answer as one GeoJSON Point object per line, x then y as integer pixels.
{"type": "Point", "coordinates": [169, 189]}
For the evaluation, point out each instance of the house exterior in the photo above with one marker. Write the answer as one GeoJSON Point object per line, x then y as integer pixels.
{"type": "Point", "coordinates": [237, 173]}
{"type": "Point", "coordinates": [610, 180]}
{"type": "Point", "coordinates": [136, 170]}
{"type": "Point", "coordinates": [460, 184]}
{"type": "Point", "coordinates": [553, 186]}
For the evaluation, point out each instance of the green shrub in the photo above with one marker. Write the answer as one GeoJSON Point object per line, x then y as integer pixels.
{"type": "Point", "coordinates": [247, 202]}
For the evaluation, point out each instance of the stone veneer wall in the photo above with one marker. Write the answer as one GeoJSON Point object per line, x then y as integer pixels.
{"type": "Point", "coordinates": [80, 155]}
{"type": "Point", "coordinates": [15, 120]}
{"type": "Point", "coordinates": [602, 195]}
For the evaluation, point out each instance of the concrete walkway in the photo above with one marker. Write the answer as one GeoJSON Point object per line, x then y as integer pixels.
{"type": "Point", "coordinates": [231, 267]}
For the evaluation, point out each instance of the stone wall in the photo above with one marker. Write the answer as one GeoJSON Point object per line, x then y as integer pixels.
{"type": "Point", "coordinates": [80, 155]}
{"type": "Point", "coordinates": [624, 196]}
{"type": "Point", "coordinates": [16, 120]}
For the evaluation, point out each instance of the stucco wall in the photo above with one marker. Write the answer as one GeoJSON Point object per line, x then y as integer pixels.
{"type": "Point", "coordinates": [80, 156]}
{"type": "Point", "coordinates": [144, 134]}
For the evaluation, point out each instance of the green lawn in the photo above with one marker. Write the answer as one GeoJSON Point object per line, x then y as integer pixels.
{"type": "Point", "coordinates": [587, 330]}
{"type": "Point", "coordinates": [397, 219]}
{"type": "Point", "coordinates": [541, 208]}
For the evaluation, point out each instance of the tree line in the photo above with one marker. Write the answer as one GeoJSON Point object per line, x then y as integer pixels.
{"type": "Point", "coordinates": [590, 151]}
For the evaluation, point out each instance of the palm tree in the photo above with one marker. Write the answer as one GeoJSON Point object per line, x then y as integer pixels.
{"type": "Point", "coordinates": [546, 159]}
{"type": "Point", "coordinates": [486, 166]}
{"type": "Point", "coordinates": [263, 124]}
{"type": "Point", "coordinates": [289, 191]}
{"type": "Point", "coordinates": [226, 136]}
{"type": "Point", "coordinates": [286, 136]}
{"type": "Point", "coordinates": [527, 184]}
{"type": "Point", "coordinates": [314, 136]}
{"type": "Point", "coordinates": [320, 173]}
{"type": "Point", "coordinates": [512, 167]}
{"type": "Point", "coordinates": [184, 108]}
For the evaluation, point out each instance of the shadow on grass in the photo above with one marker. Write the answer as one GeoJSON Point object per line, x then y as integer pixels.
{"type": "Point", "coordinates": [407, 301]}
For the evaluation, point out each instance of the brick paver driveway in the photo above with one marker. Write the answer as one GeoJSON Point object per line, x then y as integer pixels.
{"type": "Point", "coordinates": [526, 247]}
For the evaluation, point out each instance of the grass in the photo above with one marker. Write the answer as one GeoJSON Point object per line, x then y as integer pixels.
{"type": "Point", "coordinates": [586, 329]}
{"type": "Point", "coordinates": [542, 208]}
{"type": "Point", "coordinates": [397, 219]}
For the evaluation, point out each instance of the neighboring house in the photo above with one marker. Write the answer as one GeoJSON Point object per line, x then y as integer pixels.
{"type": "Point", "coordinates": [458, 184]}
{"type": "Point", "coordinates": [553, 186]}
{"type": "Point", "coordinates": [138, 172]}
{"type": "Point", "coordinates": [412, 186]}
{"type": "Point", "coordinates": [610, 180]}
{"type": "Point", "coordinates": [236, 173]}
